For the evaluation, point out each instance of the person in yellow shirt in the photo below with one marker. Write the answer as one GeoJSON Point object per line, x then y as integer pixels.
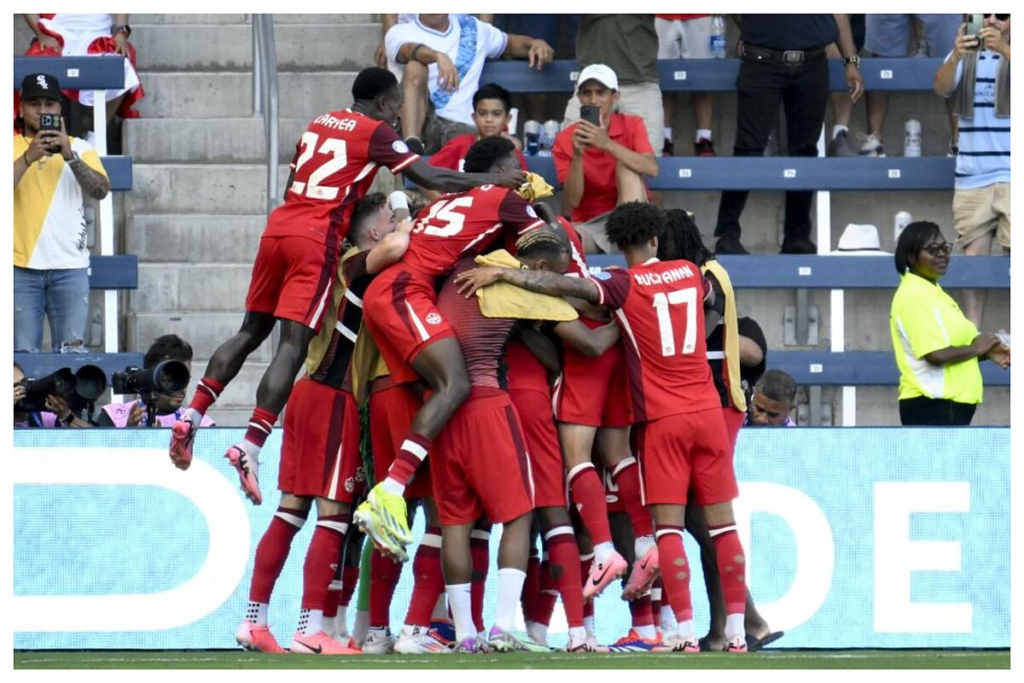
{"type": "Point", "coordinates": [52, 172]}
{"type": "Point", "coordinates": [937, 347]}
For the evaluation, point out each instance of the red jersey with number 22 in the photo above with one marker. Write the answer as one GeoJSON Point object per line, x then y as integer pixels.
{"type": "Point", "coordinates": [660, 308]}
{"type": "Point", "coordinates": [335, 162]}
{"type": "Point", "coordinates": [466, 223]}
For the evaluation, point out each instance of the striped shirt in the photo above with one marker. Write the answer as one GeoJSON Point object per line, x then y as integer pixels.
{"type": "Point", "coordinates": [984, 157]}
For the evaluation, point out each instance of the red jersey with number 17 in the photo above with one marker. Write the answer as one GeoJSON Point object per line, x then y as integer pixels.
{"type": "Point", "coordinates": [660, 308]}
{"type": "Point", "coordinates": [335, 162]}
{"type": "Point", "coordinates": [466, 223]}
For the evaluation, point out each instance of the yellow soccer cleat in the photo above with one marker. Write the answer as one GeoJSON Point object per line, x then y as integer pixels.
{"type": "Point", "coordinates": [383, 516]}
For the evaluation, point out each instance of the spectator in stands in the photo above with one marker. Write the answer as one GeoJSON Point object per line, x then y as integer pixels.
{"type": "Point", "coordinates": [842, 105]}
{"type": "Point", "coordinates": [687, 36]}
{"type": "Point", "coordinates": [52, 171]}
{"type": "Point", "coordinates": [74, 35]}
{"type": "Point", "coordinates": [600, 167]}
{"type": "Point", "coordinates": [380, 55]}
{"type": "Point", "coordinates": [783, 62]}
{"type": "Point", "coordinates": [439, 58]}
{"type": "Point", "coordinates": [976, 78]}
{"type": "Point", "coordinates": [937, 347]}
{"type": "Point", "coordinates": [888, 35]}
{"type": "Point", "coordinates": [167, 407]}
{"type": "Point", "coordinates": [773, 400]}
{"type": "Point", "coordinates": [547, 27]}
{"type": "Point", "coordinates": [58, 411]}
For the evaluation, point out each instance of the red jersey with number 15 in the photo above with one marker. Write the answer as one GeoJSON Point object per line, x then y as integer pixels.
{"type": "Point", "coordinates": [660, 308]}
{"type": "Point", "coordinates": [335, 162]}
{"type": "Point", "coordinates": [466, 223]}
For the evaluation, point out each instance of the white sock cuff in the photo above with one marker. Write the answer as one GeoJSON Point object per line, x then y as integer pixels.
{"type": "Point", "coordinates": [702, 133]}
{"type": "Point", "coordinates": [336, 585]}
{"type": "Point", "coordinates": [431, 540]}
{"type": "Point", "coordinates": [656, 594]}
{"type": "Point", "coordinates": [558, 531]}
{"type": "Point", "coordinates": [664, 532]}
{"type": "Point", "coordinates": [511, 571]}
{"type": "Point", "coordinates": [623, 464]}
{"type": "Point", "coordinates": [288, 517]}
{"type": "Point", "coordinates": [586, 558]}
{"type": "Point", "coordinates": [721, 530]}
{"type": "Point", "coordinates": [411, 446]}
{"type": "Point", "coordinates": [457, 587]}
{"type": "Point", "coordinates": [340, 527]}
{"type": "Point", "coordinates": [576, 470]}
{"type": "Point", "coordinates": [480, 533]}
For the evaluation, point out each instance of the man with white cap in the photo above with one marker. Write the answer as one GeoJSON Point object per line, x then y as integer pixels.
{"type": "Point", "coordinates": [600, 165]}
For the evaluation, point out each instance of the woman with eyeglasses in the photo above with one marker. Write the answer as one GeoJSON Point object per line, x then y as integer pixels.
{"type": "Point", "coordinates": [937, 347]}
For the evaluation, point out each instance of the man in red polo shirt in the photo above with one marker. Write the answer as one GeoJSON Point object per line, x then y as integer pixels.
{"type": "Point", "coordinates": [601, 166]}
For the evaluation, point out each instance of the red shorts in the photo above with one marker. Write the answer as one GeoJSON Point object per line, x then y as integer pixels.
{"type": "Point", "coordinates": [678, 451]}
{"type": "Point", "coordinates": [480, 464]}
{"type": "Point", "coordinates": [392, 409]}
{"type": "Point", "coordinates": [733, 421]}
{"type": "Point", "coordinates": [534, 409]}
{"type": "Point", "coordinates": [292, 279]}
{"type": "Point", "coordinates": [594, 391]}
{"type": "Point", "coordinates": [320, 449]}
{"type": "Point", "coordinates": [403, 318]}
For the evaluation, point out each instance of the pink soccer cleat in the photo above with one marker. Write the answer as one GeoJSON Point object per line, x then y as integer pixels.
{"type": "Point", "coordinates": [183, 433]}
{"type": "Point", "coordinates": [645, 572]}
{"type": "Point", "coordinates": [677, 643]}
{"type": "Point", "coordinates": [257, 638]}
{"type": "Point", "coordinates": [736, 644]}
{"type": "Point", "coordinates": [603, 574]}
{"type": "Point", "coordinates": [319, 644]}
{"type": "Point", "coordinates": [248, 468]}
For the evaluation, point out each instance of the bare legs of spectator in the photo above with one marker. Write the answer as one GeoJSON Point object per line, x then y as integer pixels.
{"type": "Point", "coordinates": [630, 185]}
{"type": "Point", "coordinates": [414, 104]}
{"type": "Point", "coordinates": [842, 110]}
{"type": "Point", "coordinates": [974, 299]}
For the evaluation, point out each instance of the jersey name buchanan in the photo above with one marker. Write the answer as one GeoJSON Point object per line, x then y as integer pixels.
{"type": "Point", "coordinates": [668, 277]}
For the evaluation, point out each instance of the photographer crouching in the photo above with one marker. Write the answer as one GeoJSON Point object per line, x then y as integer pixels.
{"type": "Point", "coordinates": [160, 383]}
{"type": "Point", "coordinates": [51, 401]}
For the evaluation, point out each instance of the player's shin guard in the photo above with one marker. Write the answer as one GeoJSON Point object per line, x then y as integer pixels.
{"type": "Point", "coordinates": [323, 551]}
{"type": "Point", "coordinates": [732, 565]}
{"type": "Point", "coordinates": [563, 567]}
{"type": "Point", "coordinates": [479, 548]}
{"type": "Point", "coordinates": [588, 497]}
{"type": "Point", "coordinates": [384, 575]}
{"type": "Point", "coordinates": [627, 478]}
{"type": "Point", "coordinates": [428, 579]}
{"type": "Point", "coordinates": [675, 573]}
{"type": "Point", "coordinates": [272, 552]}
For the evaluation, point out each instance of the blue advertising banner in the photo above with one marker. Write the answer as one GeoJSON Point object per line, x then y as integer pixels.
{"type": "Point", "coordinates": [856, 538]}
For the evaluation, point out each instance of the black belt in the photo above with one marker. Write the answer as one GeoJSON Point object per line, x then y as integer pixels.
{"type": "Point", "coordinates": [787, 57]}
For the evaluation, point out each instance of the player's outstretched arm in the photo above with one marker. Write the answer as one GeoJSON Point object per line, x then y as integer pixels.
{"type": "Point", "coordinates": [544, 282]}
{"type": "Point", "coordinates": [390, 249]}
{"type": "Point", "coordinates": [589, 342]}
{"type": "Point", "coordinates": [425, 175]}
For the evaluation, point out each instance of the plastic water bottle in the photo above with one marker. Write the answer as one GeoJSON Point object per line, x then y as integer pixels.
{"type": "Point", "coordinates": [531, 131]}
{"type": "Point", "coordinates": [912, 138]}
{"type": "Point", "coordinates": [718, 36]}
{"type": "Point", "coordinates": [902, 220]}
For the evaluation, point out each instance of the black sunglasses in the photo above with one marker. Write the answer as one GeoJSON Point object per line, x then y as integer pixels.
{"type": "Point", "coordinates": [944, 249]}
{"type": "Point", "coordinates": [1000, 17]}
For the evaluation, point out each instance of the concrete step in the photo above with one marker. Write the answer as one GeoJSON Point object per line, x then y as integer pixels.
{"type": "Point", "coordinates": [206, 287]}
{"type": "Point", "coordinates": [228, 19]}
{"type": "Point", "coordinates": [230, 140]}
{"type": "Point", "coordinates": [203, 189]}
{"type": "Point", "coordinates": [204, 331]}
{"type": "Point", "coordinates": [300, 47]}
{"type": "Point", "coordinates": [229, 94]}
{"type": "Point", "coordinates": [194, 238]}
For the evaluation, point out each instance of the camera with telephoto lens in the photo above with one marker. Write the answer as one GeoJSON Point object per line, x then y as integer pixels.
{"type": "Point", "coordinates": [165, 377]}
{"type": "Point", "coordinates": [50, 122]}
{"type": "Point", "coordinates": [89, 383]}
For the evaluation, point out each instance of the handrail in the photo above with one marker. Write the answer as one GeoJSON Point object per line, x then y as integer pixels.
{"type": "Point", "coordinates": [265, 76]}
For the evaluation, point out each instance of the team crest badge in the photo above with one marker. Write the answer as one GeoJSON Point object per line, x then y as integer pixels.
{"type": "Point", "coordinates": [602, 275]}
{"type": "Point", "coordinates": [400, 147]}
{"type": "Point", "coordinates": [433, 318]}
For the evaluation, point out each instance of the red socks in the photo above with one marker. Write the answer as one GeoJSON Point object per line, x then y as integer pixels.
{"type": "Point", "coordinates": [675, 572]}
{"type": "Point", "coordinates": [272, 552]}
{"type": "Point", "coordinates": [588, 496]}
{"type": "Point", "coordinates": [413, 451]}
{"type": "Point", "coordinates": [627, 478]}
{"type": "Point", "coordinates": [384, 575]}
{"type": "Point", "coordinates": [531, 587]}
{"type": "Point", "coordinates": [640, 611]}
{"type": "Point", "coordinates": [260, 425]}
{"type": "Point", "coordinates": [547, 595]}
{"type": "Point", "coordinates": [350, 577]}
{"type": "Point", "coordinates": [207, 392]}
{"type": "Point", "coordinates": [732, 565]}
{"type": "Point", "coordinates": [428, 579]}
{"type": "Point", "coordinates": [323, 551]}
{"type": "Point", "coordinates": [564, 563]}
{"type": "Point", "coordinates": [479, 549]}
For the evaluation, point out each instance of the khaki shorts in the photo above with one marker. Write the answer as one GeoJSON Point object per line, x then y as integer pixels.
{"type": "Point", "coordinates": [438, 132]}
{"type": "Point", "coordinates": [678, 39]}
{"type": "Point", "coordinates": [595, 240]}
{"type": "Point", "coordinates": [981, 211]}
{"type": "Point", "coordinates": [638, 99]}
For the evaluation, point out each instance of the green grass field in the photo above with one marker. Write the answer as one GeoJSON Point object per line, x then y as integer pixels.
{"type": "Point", "coordinates": [810, 659]}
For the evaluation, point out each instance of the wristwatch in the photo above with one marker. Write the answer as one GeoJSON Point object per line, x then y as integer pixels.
{"type": "Point", "coordinates": [125, 28]}
{"type": "Point", "coordinates": [73, 160]}
{"type": "Point", "coordinates": [855, 60]}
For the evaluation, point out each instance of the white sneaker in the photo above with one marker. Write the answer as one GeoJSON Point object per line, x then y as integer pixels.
{"type": "Point", "coordinates": [422, 641]}
{"type": "Point", "coordinates": [872, 146]}
{"type": "Point", "coordinates": [379, 642]}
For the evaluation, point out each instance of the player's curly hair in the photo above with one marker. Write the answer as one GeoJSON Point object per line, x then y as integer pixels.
{"type": "Point", "coordinates": [634, 223]}
{"type": "Point", "coordinates": [912, 239]}
{"type": "Point", "coordinates": [487, 152]}
{"type": "Point", "coordinates": [543, 243]}
{"type": "Point", "coordinates": [682, 239]}
{"type": "Point", "coordinates": [372, 83]}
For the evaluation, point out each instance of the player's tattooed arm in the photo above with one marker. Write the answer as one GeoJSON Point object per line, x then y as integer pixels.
{"type": "Point", "coordinates": [94, 184]}
{"type": "Point", "coordinates": [544, 282]}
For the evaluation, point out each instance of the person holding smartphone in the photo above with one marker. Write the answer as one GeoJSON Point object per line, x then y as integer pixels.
{"type": "Point", "coordinates": [602, 158]}
{"type": "Point", "coordinates": [53, 172]}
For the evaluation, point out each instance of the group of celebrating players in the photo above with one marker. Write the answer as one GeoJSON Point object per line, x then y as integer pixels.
{"type": "Point", "coordinates": [449, 324]}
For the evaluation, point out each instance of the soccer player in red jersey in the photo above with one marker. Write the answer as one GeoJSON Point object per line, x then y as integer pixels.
{"type": "Point", "coordinates": [681, 435]}
{"type": "Point", "coordinates": [335, 162]}
{"type": "Point", "coordinates": [415, 339]}
{"type": "Point", "coordinates": [320, 460]}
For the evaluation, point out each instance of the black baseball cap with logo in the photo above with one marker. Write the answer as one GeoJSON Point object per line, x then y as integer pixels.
{"type": "Point", "coordinates": [40, 86]}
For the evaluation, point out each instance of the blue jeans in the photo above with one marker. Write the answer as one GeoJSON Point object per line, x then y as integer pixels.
{"type": "Point", "coordinates": [62, 295]}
